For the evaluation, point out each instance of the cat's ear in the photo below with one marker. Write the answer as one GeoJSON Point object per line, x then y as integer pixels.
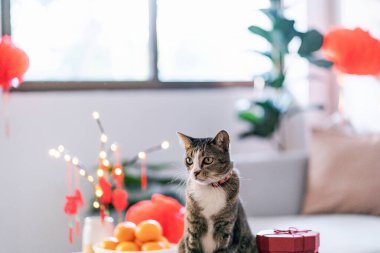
{"type": "Point", "coordinates": [222, 140]}
{"type": "Point", "coordinates": [186, 140]}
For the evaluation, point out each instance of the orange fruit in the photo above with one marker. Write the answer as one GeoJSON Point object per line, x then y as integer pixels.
{"type": "Point", "coordinates": [153, 246]}
{"type": "Point", "coordinates": [148, 230]}
{"type": "Point", "coordinates": [166, 242]}
{"type": "Point", "coordinates": [125, 232]}
{"type": "Point", "coordinates": [127, 246]}
{"type": "Point", "coordinates": [109, 243]}
{"type": "Point", "coordinates": [139, 243]}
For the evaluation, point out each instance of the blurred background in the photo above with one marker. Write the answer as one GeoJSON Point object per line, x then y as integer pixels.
{"type": "Point", "coordinates": [154, 67]}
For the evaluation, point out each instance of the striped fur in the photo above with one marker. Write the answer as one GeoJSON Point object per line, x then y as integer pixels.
{"type": "Point", "coordinates": [215, 219]}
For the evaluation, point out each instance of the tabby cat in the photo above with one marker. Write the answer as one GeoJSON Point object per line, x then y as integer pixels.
{"type": "Point", "coordinates": [215, 218]}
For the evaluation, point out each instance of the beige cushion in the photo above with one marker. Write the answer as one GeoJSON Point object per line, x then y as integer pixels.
{"type": "Point", "coordinates": [344, 174]}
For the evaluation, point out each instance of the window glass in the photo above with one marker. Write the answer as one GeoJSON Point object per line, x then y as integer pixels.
{"type": "Point", "coordinates": [362, 93]}
{"type": "Point", "coordinates": [209, 40]}
{"type": "Point", "coordinates": [75, 40]}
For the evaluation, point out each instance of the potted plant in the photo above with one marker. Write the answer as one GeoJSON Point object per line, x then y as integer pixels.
{"type": "Point", "coordinates": [265, 113]}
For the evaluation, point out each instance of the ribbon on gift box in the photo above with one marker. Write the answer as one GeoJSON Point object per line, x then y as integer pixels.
{"type": "Point", "coordinates": [291, 231]}
{"type": "Point", "coordinates": [289, 240]}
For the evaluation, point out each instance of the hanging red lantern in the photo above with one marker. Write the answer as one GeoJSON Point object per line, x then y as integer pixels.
{"type": "Point", "coordinates": [353, 51]}
{"type": "Point", "coordinates": [106, 197]}
{"type": "Point", "coordinates": [120, 199]}
{"type": "Point", "coordinates": [14, 62]}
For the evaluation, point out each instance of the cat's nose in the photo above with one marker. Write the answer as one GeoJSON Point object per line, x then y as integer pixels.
{"type": "Point", "coordinates": [196, 173]}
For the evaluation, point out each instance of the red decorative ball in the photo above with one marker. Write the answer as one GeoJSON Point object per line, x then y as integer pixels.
{"type": "Point", "coordinates": [166, 210]}
{"type": "Point", "coordinates": [14, 62]}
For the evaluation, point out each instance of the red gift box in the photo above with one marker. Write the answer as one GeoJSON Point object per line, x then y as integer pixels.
{"type": "Point", "coordinates": [291, 240]}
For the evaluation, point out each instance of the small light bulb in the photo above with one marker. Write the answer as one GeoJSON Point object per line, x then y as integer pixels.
{"type": "Point", "coordinates": [106, 163]}
{"type": "Point", "coordinates": [57, 154]}
{"type": "Point", "coordinates": [90, 179]}
{"type": "Point", "coordinates": [102, 154]}
{"type": "Point", "coordinates": [95, 115]}
{"type": "Point", "coordinates": [103, 138]}
{"type": "Point", "coordinates": [75, 161]}
{"type": "Point", "coordinates": [96, 204]}
{"type": "Point", "coordinates": [114, 147]}
{"type": "Point", "coordinates": [142, 155]}
{"type": "Point", "coordinates": [67, 158]}
{"type": "Point", "coordinates": [61, 148]}
{"type": "Point", "coordinates": [82, 172]}
{"type": "Point", "coordinates": [100, 172]}
{"type": "Point", "coordinates": [118, 171]}
{"type": "Point", "coordinates": [52, 152]}
{"type": "Point", "coordinates": [165, 145]}
{"type": "Point", "coordinates": [98, 191]}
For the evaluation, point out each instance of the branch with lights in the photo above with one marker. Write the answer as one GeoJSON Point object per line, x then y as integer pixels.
{"type": "Point", "coordinates": [108, 183]}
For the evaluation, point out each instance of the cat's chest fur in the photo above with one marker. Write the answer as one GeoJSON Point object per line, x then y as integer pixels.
{"type": "Point", "coordinates": [211, 200]}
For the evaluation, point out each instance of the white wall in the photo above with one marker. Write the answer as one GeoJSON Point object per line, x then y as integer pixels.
{"type": "Point", "coordinates": [32, 187]}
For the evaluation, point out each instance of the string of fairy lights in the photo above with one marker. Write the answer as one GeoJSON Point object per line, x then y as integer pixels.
{"type": "Point", "coordinates": [62, 152]}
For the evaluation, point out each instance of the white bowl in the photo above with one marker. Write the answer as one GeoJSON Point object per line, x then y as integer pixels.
{"type": "Point", "coordinates": [98, 249]}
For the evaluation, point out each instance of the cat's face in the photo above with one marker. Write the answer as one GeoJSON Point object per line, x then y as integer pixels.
{"type": "Point", "coordinates": [207, 159]}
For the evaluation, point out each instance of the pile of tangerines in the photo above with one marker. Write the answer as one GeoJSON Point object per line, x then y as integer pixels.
{"type": "Point", "coordinates": [145, 236]}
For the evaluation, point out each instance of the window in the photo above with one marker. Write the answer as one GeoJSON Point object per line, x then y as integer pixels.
{"type": "Point", "coordinates": [141, 41]}
{"type": "Point", "coordinates": [362, 93]}
{"type": "Point", "coordinates": [83, 40]}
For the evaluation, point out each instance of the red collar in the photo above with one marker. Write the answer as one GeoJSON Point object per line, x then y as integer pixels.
{"type": "Point", "coordinates": [223, 180]}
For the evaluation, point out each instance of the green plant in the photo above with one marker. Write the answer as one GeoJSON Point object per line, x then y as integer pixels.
{"type": "Point", "coordinates": [264, 116]}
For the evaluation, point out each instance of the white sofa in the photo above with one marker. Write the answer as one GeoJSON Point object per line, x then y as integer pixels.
{"type": "Point", "coordinates": [272, 191]}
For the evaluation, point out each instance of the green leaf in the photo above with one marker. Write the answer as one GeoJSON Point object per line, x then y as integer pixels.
{"type": "Point", "coordinates": [311, 41]}
{"type": "Point", "coordinates": [248, 116]}
{"type": "Point", "coordinates": [274, 80]}
{"type": "Point", "coordinates": [271, 13]}
{"type": "Point", "coordinates": [261, 32]}
{"type": "Point", "coordinates": [285, 27]}
{"type": "Point", "coordinates": [320, 62]}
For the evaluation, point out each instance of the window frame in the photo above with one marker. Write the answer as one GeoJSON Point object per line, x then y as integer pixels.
{"type": "Point", "coordinates": [152, 83]}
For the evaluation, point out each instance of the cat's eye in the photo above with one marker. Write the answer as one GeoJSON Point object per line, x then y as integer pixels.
{"type": "Point", "coordinates": [189, 160]}
{"type": "Point", "coordinates": [208, 160]}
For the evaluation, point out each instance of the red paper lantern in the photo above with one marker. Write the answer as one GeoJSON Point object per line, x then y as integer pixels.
{"type": "Point", "coordinates": [166, 210]}
{"type": "Point", "coordinates": [13, 63]}
{"type": "Point", "coordinates": [353, 51]}
{"type": "Point", "coordinates": [120, 199]}
{"type": "Point", "coordinates": [106, 187]}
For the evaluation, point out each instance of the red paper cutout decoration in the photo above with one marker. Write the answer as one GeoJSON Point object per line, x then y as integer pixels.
{"type": "Point", "coordinates": [71, 206]}
{"type": "Point", "coordinates": [166, 210]}
{"type": "Point", "coordinates": [73, 201]}
{"type": "Point", "coordinates": [353, 51]}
